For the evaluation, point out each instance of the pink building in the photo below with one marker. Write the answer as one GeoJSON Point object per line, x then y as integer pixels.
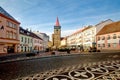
{"type": "Point", "coordinates": [9, 33]}
{"type": "Point", "coordinates": [37, 42]}
{"type": "Point", "coordinates": [108, 38]}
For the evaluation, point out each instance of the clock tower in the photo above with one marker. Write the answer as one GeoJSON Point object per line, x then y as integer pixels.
{"type": "Point", "coordinates": [56, 36]}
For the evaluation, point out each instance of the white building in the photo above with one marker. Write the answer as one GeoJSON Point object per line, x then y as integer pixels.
{"type": "Point", "coordinates": [45, 39]}
{"type": "Point", "coordinates": [26, 40]}
{"type": "Point", "coordinates": [89, 39]}
{"type": "Point", "coordinates": [74, 40]}
{"type": "Point", "coordinates": [86, 37]}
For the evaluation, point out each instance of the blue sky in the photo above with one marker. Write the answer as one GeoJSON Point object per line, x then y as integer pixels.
{"type": "Point", "coordinates": [40, 15]}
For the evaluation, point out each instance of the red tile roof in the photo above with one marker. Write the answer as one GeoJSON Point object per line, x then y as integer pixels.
{"type": "Point", "coordinates": [110, 28]}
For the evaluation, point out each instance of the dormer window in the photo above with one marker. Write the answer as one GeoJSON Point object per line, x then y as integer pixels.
{"type": "Point", "coordinates": [21, 31]}
{"type": "Point", "coordinates": [28, 33]}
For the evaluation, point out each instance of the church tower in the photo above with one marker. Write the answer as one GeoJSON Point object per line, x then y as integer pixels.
{"type": "Point", "coordinates": [56, 35]}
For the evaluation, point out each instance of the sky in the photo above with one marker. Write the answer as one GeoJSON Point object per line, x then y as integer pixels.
{"type": "Point", "coordinates": [40, 15]}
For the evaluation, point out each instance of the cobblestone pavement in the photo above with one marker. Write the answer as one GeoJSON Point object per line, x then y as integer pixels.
{"type": "Point", "coordinates": [105, 70]}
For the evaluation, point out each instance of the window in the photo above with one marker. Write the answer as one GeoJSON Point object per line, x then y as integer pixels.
{"type": "Point", "coordinates": [7, 23]}
{"type": "Point", "coordinates": [14, 36]}
{"type": "Point", "coordinates": [98, 38]}
{"type": "Point", "coordinates": [108, 44]}
{"type": "Point", "coordinates": [98, 45]}
{"type": "Point", "coordinates": [103, 45]}
{"type": "Point", "coordinates": [103, 38]}
{"type": "Point", "coordinates": [114, 36]}
{"type": "Point", "coordinates": [10, 24]}
{"type": "Point", "coordinates": [28, 33]}
{"type": "Point", "coordinates": [14, 26]}
{"type": "Point", "coordinates": [119, 36]}
{"type": "Point", "coordinates": [22, 48]}
{"type": "Point", "coordinates": [28, 40]}
{"type": "Point", "coordinates": [108, 37]}
{"type": "Point", "coordinates": [25, 39]}
{"type": "Point", "coordinates": [7, 34]}
{"type": "Point", "coordinates": [114, 45]}
{"type": "Point", "coordinates": [21, 39]}
{"type": "Point", "coordinates": [56, 29]}
{"type": "Point", "coordinates": [10, 35]}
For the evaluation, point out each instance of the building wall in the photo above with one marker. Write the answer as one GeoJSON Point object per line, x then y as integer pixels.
{"type": "Point", "coordinates": [37, 44]}
{"type": "Point", "coordinates": [109, 41]}
{"type": "Point", "coordinates": [9, 35]}
{"type": "Point", "coordinates": [45, 39]}
{"type": "Point", "coordinates": [64, 42]}
{"type": "Point", "coordinates": [26, 43]}
{"type": "Point", "coordinates": [89, 38]}
{"type": "Point", "coordinates": [75, 40]}
{"type": "Point", "coordinates": [83, 38]}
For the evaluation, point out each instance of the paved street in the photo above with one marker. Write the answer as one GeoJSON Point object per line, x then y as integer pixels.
{"type": "Point", "coordinates": [106, 70]}
{"type": "Point", "coordinates": [68, 67]}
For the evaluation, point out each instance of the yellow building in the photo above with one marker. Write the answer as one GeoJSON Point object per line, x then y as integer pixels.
{"type": "Point", "coordinates": [64, 42]}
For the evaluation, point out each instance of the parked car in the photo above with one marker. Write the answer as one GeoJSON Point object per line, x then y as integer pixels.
{"type": "Point", "coordinates": [32, 53]}
{"type": "Point", "coordinates": [94, 49]}
{"type": "Point", "coordinates": [35, 51]}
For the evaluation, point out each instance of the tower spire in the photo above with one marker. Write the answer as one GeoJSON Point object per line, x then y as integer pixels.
{"type": "Point", "coordinates": [57, 22]}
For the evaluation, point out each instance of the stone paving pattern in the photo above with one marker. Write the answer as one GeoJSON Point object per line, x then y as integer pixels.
{"type": "Point", "coordinates": [41, 68]}
{"type": "Point", "coordinates": [106, 70]}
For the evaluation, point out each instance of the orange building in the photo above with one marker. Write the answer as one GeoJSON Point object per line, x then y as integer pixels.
{"type": "Point", "coordinates": [9, 33]}
{"type": "Point", "coordinates": [108, 38]}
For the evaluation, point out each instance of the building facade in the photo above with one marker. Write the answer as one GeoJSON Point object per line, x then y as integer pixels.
{"type": "Point", "coordinates": [108, 38]}
{"type": "Point", "coordinates": [75, 40]}
{"type": "Point", "coordinates": [89, 39]}
{"type": "Point", "coordinates": [56, 36]}
{"type": "Point", "coordinates": [9, 33]}
{"type": "Point", "coordinates": [45, 39]}
{"type": "Point", "coordinates": [64, 42]}
{"type": "Point", "coordinates": [26, 40]}
{"type": "Point", "coordinates": [86, 37]}
{"type": "Point", "coordinates": [37, 43]}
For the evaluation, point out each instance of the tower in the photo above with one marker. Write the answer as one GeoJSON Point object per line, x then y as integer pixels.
{"type": "Point", "coordinates": [57, 34]}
